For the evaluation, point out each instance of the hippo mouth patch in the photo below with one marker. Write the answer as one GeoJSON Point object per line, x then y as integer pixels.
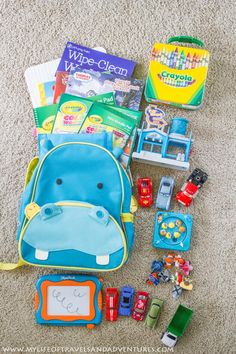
{"type": "Point", "coordinates": [74, 226]}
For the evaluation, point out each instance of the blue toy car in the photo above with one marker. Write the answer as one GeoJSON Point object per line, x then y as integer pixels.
{"type": "Point", "coordinates": [165, 192]}
{"type": "Point", "coordinates": [126, 299]}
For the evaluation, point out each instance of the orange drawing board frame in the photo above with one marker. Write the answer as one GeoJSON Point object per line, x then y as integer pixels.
{"type": "Point", "coordinates": [95, 298]}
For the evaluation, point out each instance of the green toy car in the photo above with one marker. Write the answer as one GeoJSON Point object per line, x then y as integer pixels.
{"type": "Point", "coordinates": [154, 313]}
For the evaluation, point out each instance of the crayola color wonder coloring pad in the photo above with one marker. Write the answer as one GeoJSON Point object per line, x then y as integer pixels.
{"type": "Point", "coordinates": [177, 75]}
{"type": "Point", "coordinates": [102, 118]}
{"type": "Point", "coordinates": [72, 110]}
{"type": "Point", "coordinates": [70, 114]}
{"type": "Point", "coordinates": [134, 116]}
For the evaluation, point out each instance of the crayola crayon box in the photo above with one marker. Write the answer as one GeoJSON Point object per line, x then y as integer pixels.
{"type": "Point", "coordinates": [177, 75]}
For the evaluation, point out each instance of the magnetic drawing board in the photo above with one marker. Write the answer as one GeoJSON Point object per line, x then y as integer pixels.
{"type": "Point", "coordinates": [68, 300]}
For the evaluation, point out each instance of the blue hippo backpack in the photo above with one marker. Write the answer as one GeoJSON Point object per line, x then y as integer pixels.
{"type": "Point", "coordinates": [75, 211]}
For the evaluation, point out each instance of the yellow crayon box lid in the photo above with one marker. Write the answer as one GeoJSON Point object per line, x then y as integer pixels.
{"type": "Point", "coordinates": [177, 73]}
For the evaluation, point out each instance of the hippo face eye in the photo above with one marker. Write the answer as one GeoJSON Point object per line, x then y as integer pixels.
{"type": "Point", "coordinates": [100, 185]}
{"type": "Point", "coordinates": [59, 181]}
{"type": "Point", "coordinates": [48, 211]}
{"type": "Point", "coordinates": [100, 214]}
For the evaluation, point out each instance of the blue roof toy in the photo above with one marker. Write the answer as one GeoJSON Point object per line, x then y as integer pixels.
{"type": "Point", "coordinates": [165, 192]}
{"type": "Point", "coordinates": [126, 300]}
{"type": "Point", "coordinates": [169, 148]}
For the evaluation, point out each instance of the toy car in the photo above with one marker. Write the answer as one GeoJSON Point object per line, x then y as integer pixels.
{"type": "Point", "coordinates": [154, 313]}
{"type": "Point", "coordinates": [145, 198]}
{"type": "Point", "coordinates": [140, 306]}
{"type": "Point", "coordinates": [177, 326]}
{"type": "Point", "coordinates": [165, 192]}
{"type": "Point", "coordinates": [190, 189]}
{"type": "Point", "coordinates": [126, 299]}
{"type": "Point", "coordinates": [111, 304]}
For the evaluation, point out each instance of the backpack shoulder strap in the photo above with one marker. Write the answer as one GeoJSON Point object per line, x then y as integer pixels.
{"type": "Point", "coordinates": [11, 266]}
{"type": "Point", "coordinates": [30, 170]}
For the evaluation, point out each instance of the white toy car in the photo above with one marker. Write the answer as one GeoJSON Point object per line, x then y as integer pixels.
{"type": "Point", "coordinates": [165, 192]}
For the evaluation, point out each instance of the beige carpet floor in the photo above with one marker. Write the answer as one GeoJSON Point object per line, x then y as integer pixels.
{"type": "Point", "coordinates": [33, 32]}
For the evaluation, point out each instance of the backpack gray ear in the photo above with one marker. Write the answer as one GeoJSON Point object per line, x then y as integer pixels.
{"type": "Point", "coordinates": [44, 144]}
{"type": "Point", "coordinates": [117, 152]}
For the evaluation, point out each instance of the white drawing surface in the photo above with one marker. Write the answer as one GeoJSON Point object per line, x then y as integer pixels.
{"type": "Point", "coordinates": [68, 300]}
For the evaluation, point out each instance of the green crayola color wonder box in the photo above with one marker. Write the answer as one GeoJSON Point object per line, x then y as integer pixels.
{"type": "Point", "coordinates": [177, 74]}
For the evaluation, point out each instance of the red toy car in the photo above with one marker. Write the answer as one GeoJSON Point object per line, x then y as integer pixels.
{"type": "Point", "coordinates": [190, 189]}
{"type": "Point", "coordinates": [112, 304]}
{"type": "Point", "coordinates": [145, 198]}
{"type": "Point", "coordinates": [140, 306]}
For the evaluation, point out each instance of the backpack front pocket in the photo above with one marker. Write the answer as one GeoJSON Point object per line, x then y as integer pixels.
{"type": "Point", "coordinates": [72, 235]}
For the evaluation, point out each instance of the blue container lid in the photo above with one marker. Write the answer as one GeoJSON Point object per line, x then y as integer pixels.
{"type": "Point", "coordinates": [179, 125]}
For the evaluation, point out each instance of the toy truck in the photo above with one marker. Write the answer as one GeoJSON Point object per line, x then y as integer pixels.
{"type": "Point", "coordinates": [177, 326]}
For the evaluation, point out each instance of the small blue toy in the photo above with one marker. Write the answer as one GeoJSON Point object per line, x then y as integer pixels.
{"type": "Point", "coordinates": [165, 192]}
{"type": "Point", "coordinates": [169, 148]}
{"type": "Point", "coordinates": [172, 231]}
{"type": "Point", "coordinates": [157, 266]}
{"type": "Point", "coordinates": [126, 299]}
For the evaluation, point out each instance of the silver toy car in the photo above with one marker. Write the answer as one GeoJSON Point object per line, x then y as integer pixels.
{"type": "Point", "coordinates": [165, 192]}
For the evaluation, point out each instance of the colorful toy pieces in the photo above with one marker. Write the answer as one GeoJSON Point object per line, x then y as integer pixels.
{"type": "Point", "coordinates": [170, 148]}
{"type": "Point", "coordinates": [190, 189]}
{"type": "Point", "coordinates": [140, 304]}
{"type": "Point", "coordinates": [161, 273]}
{"type": "Point", "coordinates": [172, 231]}
{"type": "Point", "coordinates": [145, 198]}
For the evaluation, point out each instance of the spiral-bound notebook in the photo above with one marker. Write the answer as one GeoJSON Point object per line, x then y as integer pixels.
{"type": "Point", "coordinates": [44, 118]}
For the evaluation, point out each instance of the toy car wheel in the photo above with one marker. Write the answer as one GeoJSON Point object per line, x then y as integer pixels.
{"type": "Point", "coordinates": [204, 178]}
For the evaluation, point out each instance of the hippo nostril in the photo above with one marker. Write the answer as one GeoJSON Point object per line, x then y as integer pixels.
{"type": "Point", "coordinates": [48, 211]}
{"type": "Point", "coordinates": [100, 185]}
{"type": "Point", "coordinates": [100, 214]}
{"type": "Point", "coordinates": [59, 181]}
